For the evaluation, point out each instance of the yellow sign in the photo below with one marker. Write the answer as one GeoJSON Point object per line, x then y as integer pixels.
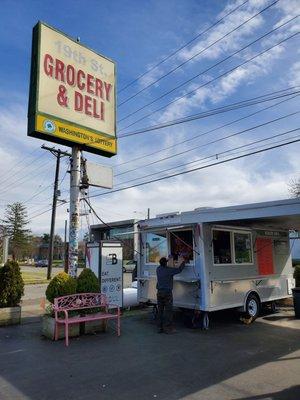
{"type": "Point", "coordinates": [72, 93]}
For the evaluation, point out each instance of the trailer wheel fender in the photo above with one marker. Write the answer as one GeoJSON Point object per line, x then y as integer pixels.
{"type": "Point", "coordinates": [252, 305]}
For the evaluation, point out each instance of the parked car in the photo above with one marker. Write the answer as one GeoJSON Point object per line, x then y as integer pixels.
{"type": "Point", "coordinates": [41, 263]}
{"type": "Point", "coordinates": [129, 266]}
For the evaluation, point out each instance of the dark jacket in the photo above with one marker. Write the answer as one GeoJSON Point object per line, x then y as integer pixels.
{"type": "Point", "coordinates": [165, 277]}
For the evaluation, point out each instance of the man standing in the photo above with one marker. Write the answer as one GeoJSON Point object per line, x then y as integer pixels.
{"type": "Point", "coordinates": [165, 272]}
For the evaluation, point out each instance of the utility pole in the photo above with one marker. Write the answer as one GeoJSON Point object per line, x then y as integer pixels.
{"type": "Point", "coordinates": [58, 154]}
{"type": "Point", "coordinates": [74, 210]}
{"type": "Point", "coordinates": [148, 213]}
{"type": "Point", "coordinates": [66, 258]}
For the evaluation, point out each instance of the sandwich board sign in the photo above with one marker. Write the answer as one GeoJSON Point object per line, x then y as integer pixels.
{"type": "Point", "coordinates": [105, 259]}
{"type": "Point", "coordinates": [72, 99]}
{"type": "Point", "coordinates": [111, 271]}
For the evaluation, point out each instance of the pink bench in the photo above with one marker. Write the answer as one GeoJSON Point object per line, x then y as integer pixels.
{"type": "Point", "coordinates": [82, 301]}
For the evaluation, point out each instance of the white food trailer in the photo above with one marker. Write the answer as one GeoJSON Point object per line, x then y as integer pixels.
{"type": "Point", "coordinates": [239, 255]}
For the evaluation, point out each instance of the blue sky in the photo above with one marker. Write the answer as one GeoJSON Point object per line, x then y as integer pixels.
{"type": "Point", "coordinates": [137, 35]}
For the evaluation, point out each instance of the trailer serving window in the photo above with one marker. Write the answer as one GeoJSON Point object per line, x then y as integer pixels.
{"type": "Point", "coordinates": [181, 244]}
{"type": "Point", "coordinates": [156, 247]}
{"type": "Point", "coordinates": [232, 247]}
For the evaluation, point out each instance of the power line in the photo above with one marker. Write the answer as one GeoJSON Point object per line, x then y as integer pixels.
{"type": "Point", "coordinates": [191, 58]}
{"type": "Point", "coordinates": [182, 47]}
{"type": "Point", "coordinates": [22, 160]}
{"type": "Point", "coordinates": [37, 194]}
{"type": "Point", "coordinates": [211, 112]}
{"type": "Point", "coordinates": [195, 169]}
{"type": "Point", "coordinates": [210, 68]}
{"type": "Point", "coordinates": [216, 155]}
{"type": "Point", "coordinates": [211, 142]}
{"type": "Point", "coordinates": [207, 132]}
{"type": "Point", "coordinates": [214, 111]}
{"type": "Point", "coordinates": [212, 80]}
{"type": "Point", "coordinates": [22, 167]}
{"type": "Point", "coordinates": [21, 179]}
{"type": "Point", "coordinates": [46, 211]}
{"type": "Point", "coordinates": [51, 185]}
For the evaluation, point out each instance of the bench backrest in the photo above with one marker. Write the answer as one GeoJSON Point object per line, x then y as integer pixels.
{"type": "Point", "coordinates": [79, 301]}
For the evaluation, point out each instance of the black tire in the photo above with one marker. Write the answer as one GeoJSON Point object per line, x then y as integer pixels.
{"type": "Point", "coordinates": [252, 306]}
{"type": "Point", "coordinates": [204, 321]}
{"type": "Point", "coordinates": [273, 307]}
{"type": "Point", "coordinates": [154, 312]}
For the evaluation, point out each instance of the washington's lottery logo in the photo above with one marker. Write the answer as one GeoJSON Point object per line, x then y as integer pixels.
{"type": "Point", "coordinates": [49, 126]}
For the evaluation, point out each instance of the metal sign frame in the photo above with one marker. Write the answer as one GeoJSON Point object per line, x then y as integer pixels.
{"type": "Point", "coordinates": [69, 132]}
{"type": "Point", "coordinates": [92, 246]}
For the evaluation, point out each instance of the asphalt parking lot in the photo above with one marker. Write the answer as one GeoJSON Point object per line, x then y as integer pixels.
{"type": "Point", "coordinates": [229, 361]}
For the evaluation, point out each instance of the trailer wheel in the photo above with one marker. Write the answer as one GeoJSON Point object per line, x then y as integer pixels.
{"type": "Point", "coordinates": [252, 306]}
{"type": "Point", "coordinates": [273, 307]}
{"type": "Point", "coordinates": [205, 321]}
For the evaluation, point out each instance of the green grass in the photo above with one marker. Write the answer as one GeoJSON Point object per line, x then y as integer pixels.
{"type": "Point", "coordinates": [31, 278]}
{"type": "Point", "coordinates": [37, 275]}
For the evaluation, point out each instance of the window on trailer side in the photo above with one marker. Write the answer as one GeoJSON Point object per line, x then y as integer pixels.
{"type": "Point", "coordinates": [242, 248]}
{"type": "Point", "coordinates": [232, 247]}
{"type": "Point", "coordinates": [156, 247]}
{"type": "Point", "coordinates": [222, 247]}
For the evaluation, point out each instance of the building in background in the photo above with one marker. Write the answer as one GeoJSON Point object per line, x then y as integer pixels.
{"type": "Point", "coordinates": [125, 231]}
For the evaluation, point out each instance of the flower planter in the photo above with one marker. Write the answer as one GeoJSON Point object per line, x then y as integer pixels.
{"type": "Point", "coordinates": [94, 326]}
{"type": "Point", "coordinates": [10, 316]}
{"type": "Point", "coordinates": [48, 327]}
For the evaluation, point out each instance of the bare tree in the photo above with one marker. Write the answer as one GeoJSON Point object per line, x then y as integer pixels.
{"type": "Point", "coordinates": [294, 188]}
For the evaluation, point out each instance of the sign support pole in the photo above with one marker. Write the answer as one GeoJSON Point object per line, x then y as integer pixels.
{"type": "Point", "coordinates": [54, 202]}
{"type": "Point", "coordinates": [74, 211]}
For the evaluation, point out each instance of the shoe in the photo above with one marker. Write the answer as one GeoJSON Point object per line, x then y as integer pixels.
{"type": "Point", "coordinates": [160, 330]}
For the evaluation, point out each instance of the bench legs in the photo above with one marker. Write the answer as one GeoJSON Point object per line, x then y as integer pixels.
{"type": "Point", "coordinates": [67, 334]}
{"type": "Point", "coordinates": [67, 330]}
{"type": "Point", "coordinates": [56, 331]}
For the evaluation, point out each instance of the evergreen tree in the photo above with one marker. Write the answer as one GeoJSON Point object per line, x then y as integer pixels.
{"type": "Point", "coordinates": [46, 239]}
{"type": "Point", "coordinates": [15, 222]}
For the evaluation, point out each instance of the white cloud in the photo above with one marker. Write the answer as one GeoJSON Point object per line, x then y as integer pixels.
{"type": "Point", "coordinates": [230, 43]}
{"type": "Point", "coordinates": [294, 74]}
